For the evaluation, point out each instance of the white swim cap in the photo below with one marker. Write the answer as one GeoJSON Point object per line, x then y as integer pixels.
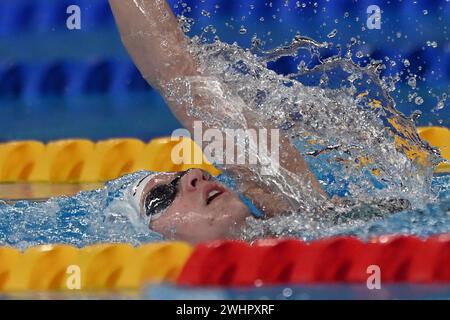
{"type": "Point", "coordinates": [136, 191]}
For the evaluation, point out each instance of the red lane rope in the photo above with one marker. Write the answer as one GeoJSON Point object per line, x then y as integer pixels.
{"type": "Point", "coordinates": [331, 260]}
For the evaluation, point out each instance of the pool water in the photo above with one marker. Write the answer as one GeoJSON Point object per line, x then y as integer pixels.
{"type": "Point", "coordinates": [433, 219]}
{"type": "Point", "coordinates": [301, 292]}
{"type": "Point", "coordinates": [104, 215]}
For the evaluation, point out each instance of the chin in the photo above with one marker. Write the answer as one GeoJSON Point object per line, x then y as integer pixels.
{"type": "Point", "coordinates": [235, 209]}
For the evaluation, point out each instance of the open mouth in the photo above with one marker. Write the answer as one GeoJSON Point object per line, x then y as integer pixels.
{"type": "Point", "coordinates": [214, 194]}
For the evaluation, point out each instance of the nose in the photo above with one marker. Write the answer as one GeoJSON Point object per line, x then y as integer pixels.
{"type": "Point", "coordinates": [191, 180]}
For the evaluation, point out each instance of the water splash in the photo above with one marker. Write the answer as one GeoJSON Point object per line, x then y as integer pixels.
{"type": "Point", "coordinates": [347, 127]}
{"type": "Point", "coordinates": [99, 216]}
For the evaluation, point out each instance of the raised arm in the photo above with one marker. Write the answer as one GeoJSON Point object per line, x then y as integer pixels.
{"type": "Point", "coordinates": [160, 50]}
{"type": "Point", "coordinates": [154, 40]}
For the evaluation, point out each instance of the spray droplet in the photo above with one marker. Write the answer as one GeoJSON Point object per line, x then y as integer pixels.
{"type": "Point", "coordinates": [206, 13]}
{"type": "Point", "coordinates": [359, 54]}
{"type": "Point", "coordinates": [440, 105]}
{"type": "Point", "coordinates": [412, 82]}
{"type": "Point", "coordinates": [242, 30]}
{"type": "Point", "coordinates": [256, 42]}
{"type": "Point", "coordinates": [406, 63]}
{"type": "Point", "coordinates": [418, 100]}
{"type": "Point", "coordinates": [415, 115]}
{"type": "Point", "coordinates": [432, 44]}
{"type": "Point", "coordinates": [287, 292]}
{"type": "Point", "coordinates": [332, 34]}
{"type": "Point", "coordinates": [425, 12]}
{"type": "Point", "coordinates": [324, 79]}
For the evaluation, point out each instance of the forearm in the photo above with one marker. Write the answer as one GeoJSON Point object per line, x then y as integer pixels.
{"type": "Point", "coordinates": [272, 201]}
{"type": "Point", "coordinates": [283, 192]}
{"type": "Point", "coordinates": [160, 50]}
{"type": "Point", "coordinates": [151, 34]}
{"type": "Point", "coordinates": [289, 158]}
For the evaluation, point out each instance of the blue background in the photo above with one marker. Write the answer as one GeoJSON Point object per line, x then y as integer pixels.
{"type": "Point", "coordinates": [57, 83]}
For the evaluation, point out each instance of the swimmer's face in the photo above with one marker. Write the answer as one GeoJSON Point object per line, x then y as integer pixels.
{"type": "Point", "coordinates": [202, 210]}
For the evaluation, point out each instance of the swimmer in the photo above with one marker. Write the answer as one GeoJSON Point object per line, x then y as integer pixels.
{"type": "Point", "coordinates": [191, 205]}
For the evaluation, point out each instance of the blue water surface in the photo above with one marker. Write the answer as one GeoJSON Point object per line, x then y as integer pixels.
{"type": "Point", "coordinates": [105, 215]}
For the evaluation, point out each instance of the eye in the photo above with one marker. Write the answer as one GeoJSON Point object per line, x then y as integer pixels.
{"type": "Point", "coordinates": [159, 199]}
